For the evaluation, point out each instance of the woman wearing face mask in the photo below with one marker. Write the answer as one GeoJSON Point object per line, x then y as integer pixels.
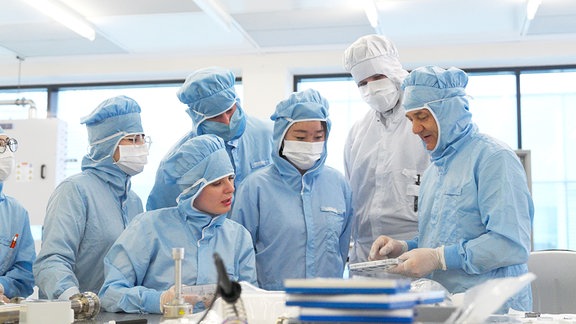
{"type": "Point", "coordinates": [139, 275]}
{"type": "Point", "coordinates": [298, 210]}
{"type": "Point", "coordinates": [17, 252]}
{"type": "Point", "coordinates": [89, 210]}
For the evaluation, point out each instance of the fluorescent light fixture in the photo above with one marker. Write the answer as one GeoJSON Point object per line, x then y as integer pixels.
{"type": "Point", "coordinates": [220, 16]}
{"type": "Point", "coordinates": [371, 12]}
{"type": "Point", "coordinates": [532, 8]}
{"type": "Point", "coordinates": [216, 12]}
{"type": "Point", "coordinates": [65, 16]}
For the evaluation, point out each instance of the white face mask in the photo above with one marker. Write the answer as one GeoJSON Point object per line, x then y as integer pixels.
{"type": "Point", "coordinates": [303, 154]}
{"type": "Point", "coordinates": [382, 95]}
{"type": "Point", "coordinates": [133, 158]}
{"type": "Point", "coordinates": [6, 164]}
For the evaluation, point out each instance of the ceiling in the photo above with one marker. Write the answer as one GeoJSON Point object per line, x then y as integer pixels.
{"type": "Point", "coordinates": [159, 27]}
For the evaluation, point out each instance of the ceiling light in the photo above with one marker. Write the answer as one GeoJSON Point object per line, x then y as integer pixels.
{"type": "Point", "coordinates": [65, 16]}
{"type": "Point", "coordinates": [220, 16]}
{"type": "Point", "coordinates": [532, 8]}
{"type": "Point", "coordinates": [371, 12]}
{"type": "Point", "coordinates": [216, 13]}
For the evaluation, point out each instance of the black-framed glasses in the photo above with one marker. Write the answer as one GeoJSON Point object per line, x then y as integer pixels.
{"type": "Point", "coordinates": [11, 143]}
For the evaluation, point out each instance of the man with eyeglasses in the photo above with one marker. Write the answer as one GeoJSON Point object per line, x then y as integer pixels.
{"type": "Point", "coordinates": [88, 211]}
{"type": "Point", "coordinates": [17, 253]}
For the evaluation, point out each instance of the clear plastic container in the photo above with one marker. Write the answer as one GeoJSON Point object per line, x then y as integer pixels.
{"type": "Point", "coordinates": [200, 296]}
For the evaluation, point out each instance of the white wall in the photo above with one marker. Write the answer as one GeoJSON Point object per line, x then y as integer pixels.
{"type": "Point", "coordinates": [267, 78]}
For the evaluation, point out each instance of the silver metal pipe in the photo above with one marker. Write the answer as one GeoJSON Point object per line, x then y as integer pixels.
{"type": "Point", "coordinates": [178, 255]}
{"type": "Point", "coordinates": [85, 305]}
{"type": "Point", "coordinates": [22, 102]}
{"type": "Point", "coordinates": [177, 307]}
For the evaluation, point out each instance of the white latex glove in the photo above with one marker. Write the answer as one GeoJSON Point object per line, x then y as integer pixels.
{"type": "Point", "coordinates": [420, 262]}
{"type": "Point", "coordinates": [386, 247]}
{"type": "Point", "coordinates": [2, 297]}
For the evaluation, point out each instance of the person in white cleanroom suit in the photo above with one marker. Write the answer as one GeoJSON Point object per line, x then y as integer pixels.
{"type": "Point", "coordinates": [215, 109]}
{"type": "Point", "coordinates": [382, 157]}
{"type": "Point", "coordinates": [475, 207]}
{"type": "Point", "coordinates": [17, 253]}
{"type": "Point", "coordinates": [88, 211]}
{"type": "Point", "coordinates": [139, 273]}
{"type": "Point", "coordinates": [298, 210]}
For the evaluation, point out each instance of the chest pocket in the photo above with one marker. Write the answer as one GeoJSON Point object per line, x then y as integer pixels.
{"type": "Point", "coordinates": [6, 254]}
{"type": "Point", "coordinates": [333, 222]}
{"type": "Point", "coordinates": [448, 215]}
{"type": "Point", "coordinates": [259, 164]}
{"type": "Point", "coordinates": [451, 199]}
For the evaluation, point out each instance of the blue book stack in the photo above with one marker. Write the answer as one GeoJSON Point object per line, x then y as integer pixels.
{"type": "Point", "coordinates": [356, 300]}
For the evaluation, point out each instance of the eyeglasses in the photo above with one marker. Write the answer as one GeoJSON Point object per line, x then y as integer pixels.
{"type": "Point", "coordinates": [11, 143]}
{"type": "Point", "coordinates": [136, 139]}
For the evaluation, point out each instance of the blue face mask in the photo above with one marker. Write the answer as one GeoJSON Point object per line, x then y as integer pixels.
{"type": "Point", "coordinates": [227, 132]}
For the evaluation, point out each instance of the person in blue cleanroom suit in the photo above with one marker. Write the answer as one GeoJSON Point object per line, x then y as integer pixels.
{"type": "Point", "coordinates": [17, 253]}
{"type": "Point", "coordinates": [139, 273]}
{"type": "Point", "coordinates": [215, 109]}
{"type": "Point", "coordinates": [298, 210]}
{"type": "Point", "coordinates": [89, 210]}
{"type": "Point", "coordinates": [475, 210]}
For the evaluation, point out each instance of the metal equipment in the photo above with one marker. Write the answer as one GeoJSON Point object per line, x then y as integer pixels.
{"type": "Point", "coordinates": [177, 307]}
{"type": "Point", "coordinates": [85, 306]}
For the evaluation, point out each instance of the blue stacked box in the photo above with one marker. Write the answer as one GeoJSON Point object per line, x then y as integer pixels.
{"type": "Point", "coordinates": [357, 300]}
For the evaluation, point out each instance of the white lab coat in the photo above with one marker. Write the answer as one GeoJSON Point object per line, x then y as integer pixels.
{"type": "Point", "coordinates": [382, 158]}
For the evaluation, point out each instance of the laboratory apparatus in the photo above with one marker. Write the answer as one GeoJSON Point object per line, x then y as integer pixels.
{"type": "Point", "coordinates": [177, 307]}
{"type": "Point", "coordinates": [82, 306]}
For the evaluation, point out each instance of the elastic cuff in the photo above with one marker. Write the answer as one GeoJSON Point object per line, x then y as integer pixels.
{"type": "Point", "coordinates": [440, 254]}
{"type": "Point", "coordinates": [404, 246]}
{"type": "Point", "coordinates": [69, 293]}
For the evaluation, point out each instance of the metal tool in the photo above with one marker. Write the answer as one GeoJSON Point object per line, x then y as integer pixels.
{"type": "Point", "coordinates": [85, 306]}
{"type": "Point", "coordinates": [177, 307]}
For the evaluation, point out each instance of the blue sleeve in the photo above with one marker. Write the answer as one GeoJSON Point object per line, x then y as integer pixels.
{"type": "Point", "coordinates": [17, 278]}
{"type": "Point", "coordinates": [245, 209]}
{"type": "Point", "coordinates": [247, 259]}
{"type": "Point", "coordinates": [412, 244]}
{"type": "Point", "coordinates": [506, 209]}
{"type": "Point", "coordinates": [62, 233]}
{"type": "Point", "coordinates": [125, 264]}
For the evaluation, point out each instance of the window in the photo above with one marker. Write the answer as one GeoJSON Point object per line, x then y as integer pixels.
{"type": "Point", "coordinates": [528, 109]}
{"type": "Point", "coordinates": [346, 107]}
{"type": "Point", "coordinates": [14, 111]}
{"type": "Point", "coordinates": [164, 119]}
{"type": "Point", "coordinates": [493, 105]}
{"type": "Point", "coordinates": [548, 109]}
